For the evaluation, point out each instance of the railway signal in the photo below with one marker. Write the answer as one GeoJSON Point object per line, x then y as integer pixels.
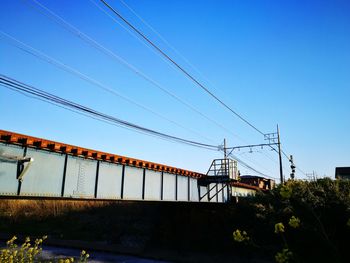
{"type": "Point", "coordinates": [292, 167]}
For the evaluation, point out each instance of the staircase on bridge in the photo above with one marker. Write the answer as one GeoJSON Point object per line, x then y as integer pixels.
{"type": "Point", "coordinates": [221, 172]}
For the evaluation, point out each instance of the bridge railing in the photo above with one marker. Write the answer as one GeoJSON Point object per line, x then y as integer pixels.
{"type": "Point", "coordinates": [224, 168]}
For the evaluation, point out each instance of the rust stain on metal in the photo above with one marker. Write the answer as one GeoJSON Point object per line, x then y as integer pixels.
{"type": "Point", "coordinates": [39, 143]}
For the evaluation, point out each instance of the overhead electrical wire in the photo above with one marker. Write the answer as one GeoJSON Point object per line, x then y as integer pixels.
{"type": "Point", "coordinates": [38, 54]}
{"type": "Point", "coordinates": [92, 42]}
{"type": "Point", "coordinates": [162, 38]}
{"type": "Point", "coordinates": [177, 52]}
{"type": "Point", "coordinates": [80, 109]}
{"type": "Point", "coordinates": [263, 153]}
{"type": "Point", "coordinates": [271, 158]}
{"type": "Point", "coordinates": [165, 41]}
{"type": "Point", "coordinates": [108, 52]}
{"type": "Point", "coordinates": [88, 112]}
{"type": "Point", "coordinates": [143, 36]}
{"type": "Point", "coordinates": [22, 87]}
{"type": "Point", "coordinates": [62, 22]}
{"type": "Point", "coordinates": [250, 167]}
{"type": "Point", "coordinates": [63, 66]}
{"type": "Point", "coordinates": [180, 55]}
{"type": "Point", "coordinates": [288, 158]}
{"type": "Point", "coordinates": [132, 33]}
{"type": "Point", "coordinates": [187, 74]}
{"type": "Point", "coordinates": [188, 62]}
{"type": "Point", "coordinates": [253, 161]}
{"type": "Point", "coordinates": [63, 107]}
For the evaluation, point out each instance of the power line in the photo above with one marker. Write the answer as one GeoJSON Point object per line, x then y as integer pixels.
{"type": "Point", "coordinates": [271, 158]}
{"type": "Point", "coordinates": [19, 86]}
{"type": "Point", "coordinates": [92, 42]}
{"type": "Point", "coordinates": [250, 167]}
{"type": "Point", "coordinates": [270, 144]}
{"type": "Point", "coordinates": [288, 158]}
{"type": "Point", "coordinates": [132, 33]}
{"type": "Point", "coordinates": [95, 44]}
{"type": "Point", "coordinates": [164, 40]}
{"type": "Point", "coordinates": [244, 163]}
{"type": "Point", "coordinates": [254, 161]}
{"type": "Point", "coordinates": [143, 36]}
{"type": "Point", "coordinates": [42, 56]}
{"type": "Point", "coordinates": [38, 54]}
{"type": "Point", "coordinates": [179, 67]}
{"type": "Point", "coordinates": [78, 108]}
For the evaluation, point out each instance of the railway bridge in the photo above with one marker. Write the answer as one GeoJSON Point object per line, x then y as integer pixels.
{"type": "Point", "coordinates": [35, 167]}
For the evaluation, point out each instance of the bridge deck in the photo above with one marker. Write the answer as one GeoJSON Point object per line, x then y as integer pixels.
{"type": "Point", "coordinates": [44, 144]}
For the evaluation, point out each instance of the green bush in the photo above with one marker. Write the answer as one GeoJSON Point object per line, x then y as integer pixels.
{"type": "Point", "coordinates": [29, 253]}
{"type": "Point", "coordinates": [316, 214]}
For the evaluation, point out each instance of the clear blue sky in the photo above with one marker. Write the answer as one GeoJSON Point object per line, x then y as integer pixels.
{"type": "Point", "coordinates": [274, 62]}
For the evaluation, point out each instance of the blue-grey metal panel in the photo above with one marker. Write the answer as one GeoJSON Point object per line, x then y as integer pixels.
{"type": "Point", "coordinates": [182, 188]}
{"type": "Point", "coordinates": [152, 185]}
{"type": "Point", "coordinates": [221, 194]}
{"type": "Point", "coordinates": [203, 191]}
{"type": "Point", "coordinates": [212, 192]}
{"type": "Point", "coordinates": [133, 183]}
{"type": "Point", "coordinates": [193, 190]}
{"type": "Point", "coordinates": [109, 181]}
{"type": "Point", "coordinates": [80, 177]}
{"type": "Point", "coordinates": [218, 194]}
{"type": "Point", "coordinates": [8, 171]}
{"type": "Point", "coordinates": [225, 193]}
{"type": "Point", "coordinates": [44, 176]}
{"type": "Point", "coordinates": [169, 181]}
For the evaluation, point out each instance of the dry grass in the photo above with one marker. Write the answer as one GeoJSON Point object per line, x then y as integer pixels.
{"type": "Point", "coordinates": [45, 208]}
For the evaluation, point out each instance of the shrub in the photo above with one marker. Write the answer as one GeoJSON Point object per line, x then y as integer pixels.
{"type": "Point", "coordinates": [313, 219]}
{"type": "Point", "coordinates": [29, 252]}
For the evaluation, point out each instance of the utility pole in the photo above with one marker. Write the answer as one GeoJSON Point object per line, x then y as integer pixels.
{"type": "Point", "coordinates": [279, 154]}
{"type": "Point", "coordinates": [225, 158]}
{"type": "Point", "coordinates": [225, 150]}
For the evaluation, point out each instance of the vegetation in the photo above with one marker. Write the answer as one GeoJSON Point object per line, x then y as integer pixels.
{"type": "Point", "coordinates": [30, 253]}
{"type": "Point", "coordinates": [300, 221]}
{"type": "Point", "coordinates": [296, 222]}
